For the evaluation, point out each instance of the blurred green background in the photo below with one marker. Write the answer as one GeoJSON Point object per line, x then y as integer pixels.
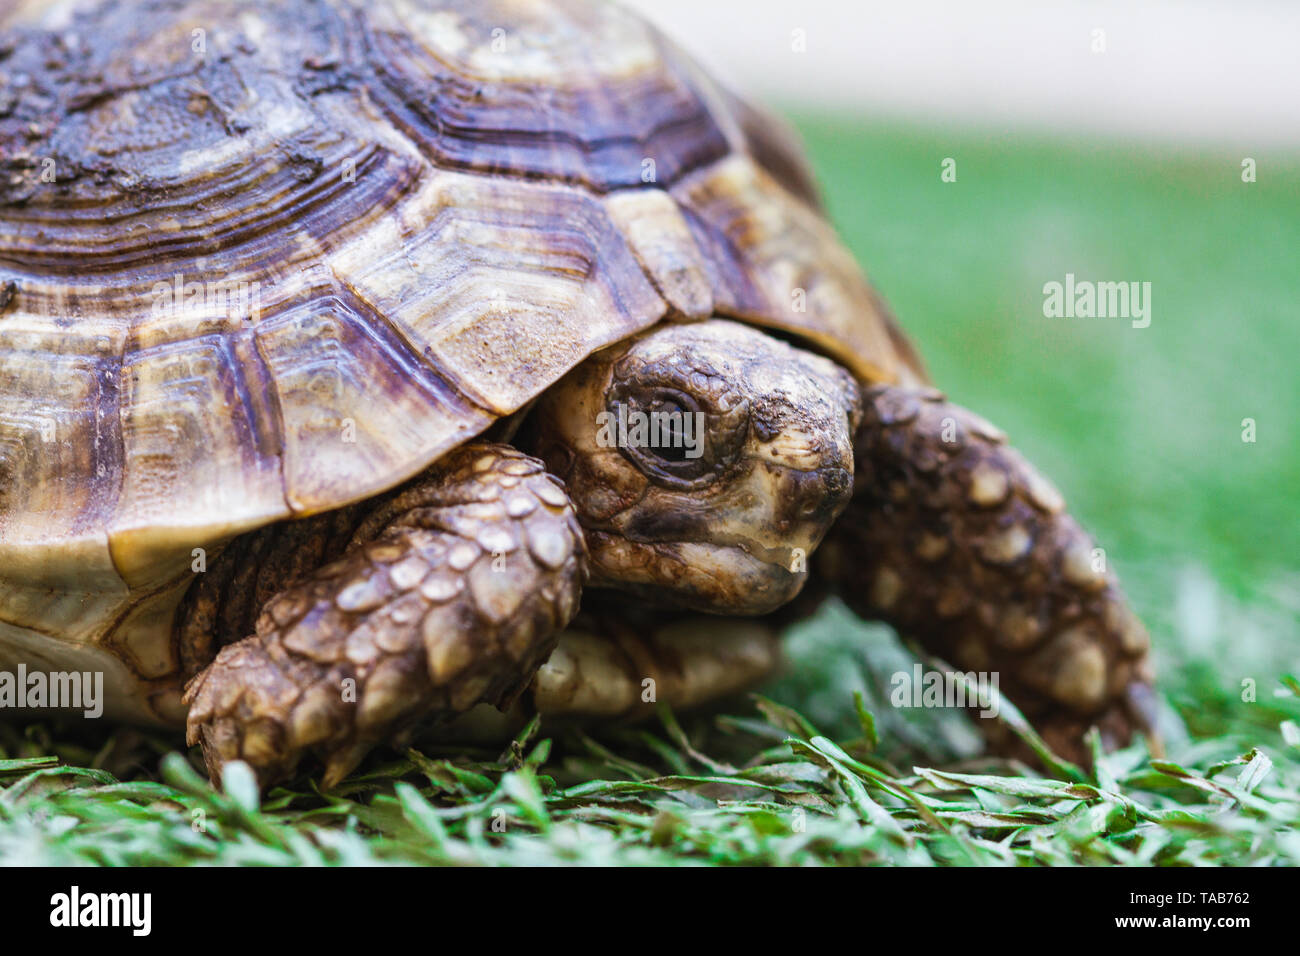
{"type": "Point", "coordinates": [1140, 428]}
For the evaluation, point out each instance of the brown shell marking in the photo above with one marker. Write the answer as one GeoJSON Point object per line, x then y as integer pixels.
{"type": "Point", "coordinates": [542, 90]}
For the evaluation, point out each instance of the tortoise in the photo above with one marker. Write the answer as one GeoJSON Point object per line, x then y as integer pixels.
{"type": "Point", "coordinates": [329, 336]}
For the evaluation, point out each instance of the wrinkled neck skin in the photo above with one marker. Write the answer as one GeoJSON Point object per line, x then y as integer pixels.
{"type": "Point", "coordinates": [706, 462]}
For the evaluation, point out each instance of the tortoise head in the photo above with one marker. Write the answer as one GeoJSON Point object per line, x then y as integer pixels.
{"type": "Point", "coordinates": [706, 462]}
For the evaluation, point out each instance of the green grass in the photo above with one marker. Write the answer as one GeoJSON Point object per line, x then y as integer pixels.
{"type": "Point", "coordinates": [1141, 428]}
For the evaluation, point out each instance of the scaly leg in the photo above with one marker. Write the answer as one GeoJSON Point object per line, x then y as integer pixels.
{"type": "Point", "coordinates": [451, 593]}
{"type": "Point", "coordinates": [954, 539]}
{"type": "Point", "coordinates": [614, 664]}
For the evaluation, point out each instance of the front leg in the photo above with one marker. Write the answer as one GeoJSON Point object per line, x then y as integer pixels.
{"type": "Point", "coordinates": [954, 539]}
{"type": "Point", "coordinates": [618, 662]}
{"type": "Point", "coordinates": [452, 593]}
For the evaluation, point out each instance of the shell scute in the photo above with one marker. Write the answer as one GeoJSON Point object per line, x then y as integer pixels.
{"type": "Point", "coordinates": [561, 91]}
{"type": "Point", "coordinates": [356, 403]}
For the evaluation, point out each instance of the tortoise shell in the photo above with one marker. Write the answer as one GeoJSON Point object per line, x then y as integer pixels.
{"type": "Point", "coordinates": [260, 261]}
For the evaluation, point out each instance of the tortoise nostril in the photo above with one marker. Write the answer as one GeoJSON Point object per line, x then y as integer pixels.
{"type": "Point", "coordinates": [817, 495]}
{"type": "Point", "coordinates": [839, 483]}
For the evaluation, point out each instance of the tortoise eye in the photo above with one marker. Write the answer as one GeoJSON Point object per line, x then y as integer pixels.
{"type": "Point", "coordinates": [674, 438]}
{"type": "Point", "coordinates": [675, 431]}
